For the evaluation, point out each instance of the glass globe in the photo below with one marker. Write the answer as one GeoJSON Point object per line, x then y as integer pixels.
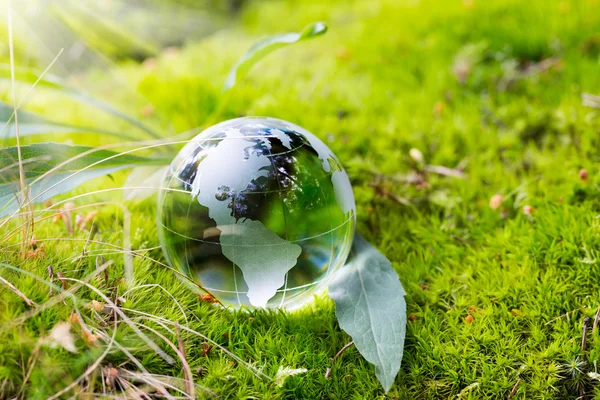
{"type": "Point", "coordinates": [257, 211]}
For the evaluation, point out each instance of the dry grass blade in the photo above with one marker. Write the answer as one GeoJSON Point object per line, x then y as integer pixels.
{"type": "Point", "coordinates": [178, 273]}
{"type": "Point", "coordinates": [91, 368]}
{"type": "Point", "coordinates": [189, 381]}
{"type": "Point", "coordinates": [127, 256]}
{"type": "Point", "coordinates": [23, 195]}
{"type": "Point", "coordinates": [259, 374]}
{"type": "Point", "coordinates": [186, 367]}
{"type": "Point", "coordinates": [152, 285]}
{"type": "Point", "coordinates": [165, 379]}
{"type": "Point", "coordinates": [128, 321]}
{"type": "Point", "coordinates": [51, 302]}
{"type": "Point", "coordinates": [445, 171]}
{"type": "Point", "coordinates": [157, 384]}
{"type": "Point", "coordinates": [12, 287]}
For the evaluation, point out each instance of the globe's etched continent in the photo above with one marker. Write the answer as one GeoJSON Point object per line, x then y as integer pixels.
{"type": "Point", "coordinates": [261, 254]}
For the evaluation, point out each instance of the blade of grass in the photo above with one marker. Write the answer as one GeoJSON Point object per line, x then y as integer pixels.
{"type": "Point", "coordinates": [52, 82]}
{"type": "Point", "coordinates": [23, 193]}
{"type": "Point", "coordinates": [266, 46]}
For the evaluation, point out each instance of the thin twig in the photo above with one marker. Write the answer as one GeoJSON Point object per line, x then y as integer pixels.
{"type": "Point", "coordinates": [514, 388]}
{"type": "Point", "coordinates": [445, 171]}
{"type": "Point", "coordinates": [339, 353]}
{"type": "Point", "coordinates": [596, 318]}
{"type": "Point", "coordinates": [16, 291]}
{"type": "Point", "coordinates": [189, 386]}
{"type": "Point", "coordinates": [583, 347]}
{"type": "Point", "coordinates": [186, 367]}
{"type": "Point", "coordinates": [584, 335]}
{"type": "Point", "coordinates": [564, 315]}
{"type": "Point", "coordinates": [463, 240]}
{"type": "Point", "coordinates": [386, 193]}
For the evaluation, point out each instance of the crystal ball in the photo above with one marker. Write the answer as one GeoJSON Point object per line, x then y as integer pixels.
{"type": "Point", "coordinates": [257, 211]}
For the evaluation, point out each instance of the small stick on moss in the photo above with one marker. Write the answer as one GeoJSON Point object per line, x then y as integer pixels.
{"type": "Point", "coordinates": [339, 353]}
{"type": "Point", "coordinates": [386, 193]}
{"type": "Point", "coordinates": [16, 291]}
{"type": "Point", "coordinates": [596, 318]}
{"type": "Point", "coordinates": [327, 373]}
{"type": "Point", "coordinates": [463, 240]}
{"type": "Point", "coordinates": [514, 388]}
{"type": "Point", "coordinates": [583, 347]}
{"type": "Point", "coordinates": [189, 389]}
{"type": "Point", "coordinates": [445, 171]}
{"type": "Point", "coordinates": [584, 335]}
{"type": "Point", "coordinates": [564, 315]}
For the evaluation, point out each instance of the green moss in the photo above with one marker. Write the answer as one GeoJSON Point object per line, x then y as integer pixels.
{"type": "Point", "coordinates": [382, 81]}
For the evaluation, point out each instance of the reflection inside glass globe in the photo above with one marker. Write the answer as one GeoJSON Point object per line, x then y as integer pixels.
{"type": "Point", "coordinates": [258, 211]}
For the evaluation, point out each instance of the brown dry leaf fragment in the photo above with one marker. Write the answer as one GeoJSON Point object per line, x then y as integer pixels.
{"type": "Point", "coordinates": [473, 309]}
{"type": "Point", "coordinates": [528, 210]}
{"type": "Point", "coordinates": [517, 313]}
{"type": "Point", "coordinates": [90, 338]}
{"type": "Point", "coordinates": [60, 336]}
{"type": "Point", "coordinates": [207, 297]}
{"type": "Point", "coordinates": [74, 318]}
{"type": "Point", "coordinates": [90, 216]}
{"type": "Point", "coordinates": [65, 285]}
{"type": "Point", "coordinates": [343, 54]}
{"type": "Point", "coordinates": [496, 201]}
{"type": "Point", "coordinates": [111, 374]}
{"type": "Point", "coordinates": [206, 348]}
{"type": "Point", "coordinates": [97, 305]}
{"type": "Point", "coordinates": [583, 175]}
{"type": "Point", "coordinates": [438, 108]}
{"type": "Point", "coordinates": [66, 217]}
{"type": "Point", "coordinates": [80, 222]}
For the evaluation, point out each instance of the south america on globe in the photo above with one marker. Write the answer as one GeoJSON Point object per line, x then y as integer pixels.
{"type": "Point", "coordinates": [258, 211]}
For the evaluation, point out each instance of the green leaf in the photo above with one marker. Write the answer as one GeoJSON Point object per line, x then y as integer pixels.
{"type": "Point", "coordinates": [370, 307]}
{"type": "Point", "coordinates": [33, 124]}
{"type": "Point", "coordinates": [39, 159]}
{"type": "Point", "coordinates": [48, 187]}
{"type": "Point", "coordinates": [49, 81]}
{"type": "Point", "coordinates": [267, 45]}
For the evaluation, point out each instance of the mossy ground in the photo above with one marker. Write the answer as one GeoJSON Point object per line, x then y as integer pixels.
{"type": "Point", "coordinates": [496, 297]}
